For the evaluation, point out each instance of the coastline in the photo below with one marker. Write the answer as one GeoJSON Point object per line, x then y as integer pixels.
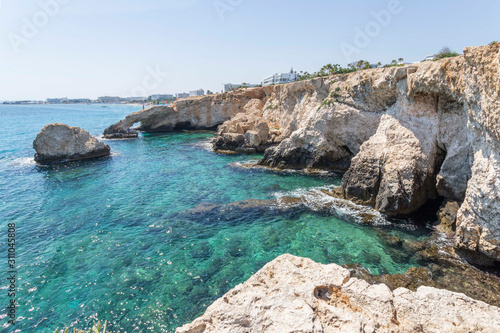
{"type": "Point", "coordinates": [401, 135]}
{"type": "Point", "coordinates": [299, 135]}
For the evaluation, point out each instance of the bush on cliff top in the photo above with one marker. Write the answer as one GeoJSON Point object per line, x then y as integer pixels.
{"type": "Point", "coordinates": [330, 69]}
{"type": "Point", "coordinates": [445, 52]}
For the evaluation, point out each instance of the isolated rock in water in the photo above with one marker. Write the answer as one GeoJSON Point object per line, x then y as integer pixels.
{"type": "Point", "coordinates": [60, 142]}
{"type": "Point", "coordinates": [292, 294]}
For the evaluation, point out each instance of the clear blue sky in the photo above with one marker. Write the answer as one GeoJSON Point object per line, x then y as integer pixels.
{"type": "Point", "coordinates": [89, 48]}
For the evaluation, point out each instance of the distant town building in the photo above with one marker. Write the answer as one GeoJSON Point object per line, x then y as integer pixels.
{"type": "Point", "coordinates": [133, 99]}
{"type": "Point", "coordinates": [182, 95]}
{"type": "Point", "coordinates": [23, 102]}
{"type": "Point", "coordinates": [78, 101]}
{"type": "Point", "coordinates": [280, 78]}
{"type": "Point", "coordinates": [230, 86]}
{"type": "Point", "coordinates": [161, 96]}
{"type": "Point", "coordinates": [109, 99]}
{"type": "Point", "coordinates": [57, 100]}
{"type": "Point", "coordinates": [199, 92]}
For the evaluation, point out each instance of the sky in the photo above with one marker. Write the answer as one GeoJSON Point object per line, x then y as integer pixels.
{"type": "Point", "coordinates": [90, 48]}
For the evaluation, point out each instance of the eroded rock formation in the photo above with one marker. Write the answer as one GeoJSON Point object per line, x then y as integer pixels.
{"type": "Point", "coordinates": [195, 113]}
{"type": "Point", "coordinates": [293, 294]}
{"type": "Point", "coordinates": [247, 131]}
{"type": "Point", "coordinates": [59, 143]}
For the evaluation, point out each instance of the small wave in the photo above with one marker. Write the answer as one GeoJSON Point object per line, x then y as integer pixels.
{"type": "Point", "coordinates": [205, 145]}
{"type": "Point", "coordinates": [115, 154]}
{"type": "Point", "coordinates": [22, 162]}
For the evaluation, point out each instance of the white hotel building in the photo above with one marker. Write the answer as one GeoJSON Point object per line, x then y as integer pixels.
{"type": "Point", "coordinates": [230, 86]}
{"type": "Point", "coordinates": [280, 78]}
{"type": "Point", "coordinates": [199, 92]}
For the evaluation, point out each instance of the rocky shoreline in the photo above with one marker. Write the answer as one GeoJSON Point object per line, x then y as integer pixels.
{"type": "Point", "coordinates": [292, 294]}
{"type": "Point", "coordinates": [404, 137]}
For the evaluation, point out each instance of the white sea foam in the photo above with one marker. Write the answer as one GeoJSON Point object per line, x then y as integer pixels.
{"type": "Point", "coordinates": [317, 200]}
{"type": "Point", "coordinates": [205, 145]}
{"type": "Point", "coordinates": [22, 162]}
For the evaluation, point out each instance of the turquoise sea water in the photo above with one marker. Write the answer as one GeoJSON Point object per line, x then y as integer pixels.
{"type": "Point", "coordinates": [117, 238]}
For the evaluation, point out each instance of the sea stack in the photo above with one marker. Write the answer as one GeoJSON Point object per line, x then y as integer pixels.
{"type": "Point", "coordinates": [62, 143]}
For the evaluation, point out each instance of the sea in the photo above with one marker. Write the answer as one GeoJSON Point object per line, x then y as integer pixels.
{"type": "Point", "coordinates": [148, 238]}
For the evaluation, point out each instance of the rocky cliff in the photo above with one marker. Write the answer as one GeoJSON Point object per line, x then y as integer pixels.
{"type": "Point", "coordinates": [293, 294]}
{"type": "Point", "coordinates": [403, 135]}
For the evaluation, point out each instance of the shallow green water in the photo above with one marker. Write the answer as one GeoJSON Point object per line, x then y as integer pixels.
{"type": "Point", "coordinates": [117, 239]}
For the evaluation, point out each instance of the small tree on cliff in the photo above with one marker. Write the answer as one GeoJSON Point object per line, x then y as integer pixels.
{"type": "Point", "coordinates": [446, 52]}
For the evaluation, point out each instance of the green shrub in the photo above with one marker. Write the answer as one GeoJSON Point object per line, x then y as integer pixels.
{"type": "Point", "coordinates": [445, 52]}
{"type": "Point", "coordinates": [494, 42]}
{"type": "Point", "coordinates": [271, 106]}
{"type": "Point", "coordinates": [326, 102]}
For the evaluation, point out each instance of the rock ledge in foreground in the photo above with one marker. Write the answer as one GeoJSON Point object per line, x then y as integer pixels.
{"type": "Point", "coordinates": [292, 294]}
{"type": "Point", "coordinates": [61, 143]}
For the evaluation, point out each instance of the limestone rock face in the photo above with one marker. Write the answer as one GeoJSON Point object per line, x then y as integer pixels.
{"type": "Point", "coordinates": [293, 294]}
{"type": "Point", "coordinates": [394, 171]}
{"type": "Point", "coordinates": [59, 142]}
{"type": "Point", "coordinates": [447, 216]}
{"type": "Point", "coordinates": [248, 124]}
{"type": "Point", "coordinates": [431, 141]}
{"type": "Point", "coordinates": [478, 220]}
{"type": "Point", "coordinates": [325, 121]}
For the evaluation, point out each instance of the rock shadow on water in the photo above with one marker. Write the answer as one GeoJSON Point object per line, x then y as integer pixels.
{"type": "Point", "coordinates": [74, 168]}
{"type": "Point", "coordinates": [253, 165]}
{"type": "Point", "coordinates": [240, 212]}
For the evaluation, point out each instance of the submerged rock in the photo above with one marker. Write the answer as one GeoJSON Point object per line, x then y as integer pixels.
{"type": "Point", "coordinates": [292, 294]}
{"type": "Point", "coordinates": [59, 143]}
